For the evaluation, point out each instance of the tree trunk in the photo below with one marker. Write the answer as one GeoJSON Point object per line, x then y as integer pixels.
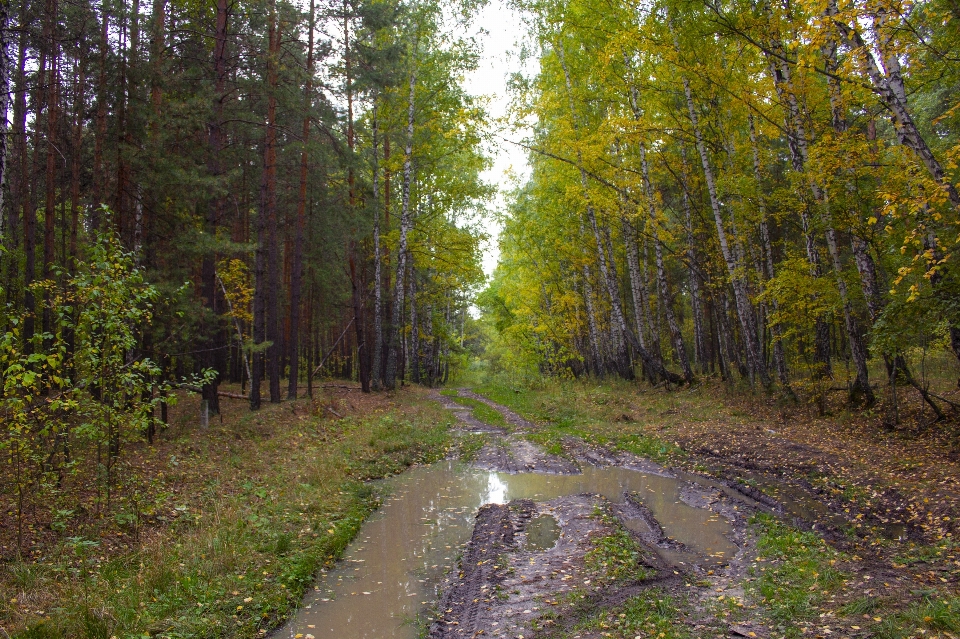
{"type": "Point", "coordinates": [646, 300]}
{"type": "Point", "coordinates": [265, 265]}
{"type": "Point", "coordinates": [633, 269]}
{"type": "Point", "coordinates": [53, 110]}
{"type": "Point", "coordinates": [29, 212]}
{"type": "Point", "coordinates": [779, 359]}
{"type": "Point", "coordinates": [414, 325]}
{"type": "Point", "coordinates": [270, 204]}
{"type": "Point", "coordinates": [4, 109]}
{"type": "Point", "coordinates": [377, 263]}
{"type": "Point", "coordinates": [213, 342]}
{"type": "Point", "coordinates": [694, 279]}
{"type": "Point", "coordinates": [889, 88]}
{"type": "Point", "coordinates": [358, 323]}
{"type": "Point", "coordinates": [666, 295]}
{"type": "Point", "coordinates": [797, 144]}
{"type": "Point", "coordinates": [296, 275]}
{"type": "Point", "coordinates": [18, 181]}
{"type": "Point", "coordinates": [100, 133]}
{"type": "Point", "coordinates": [644, 295]}
{"type": "Point", "coordinates": [119, 202]}
{"type": "Point", "coordinates": [75, 164]}
{"type": "Point", "coordinates": [384, 343]}
{"type": "Point", "coordinates": [405, 226]}
{"type": "Point", "coordinates": [755, 363]}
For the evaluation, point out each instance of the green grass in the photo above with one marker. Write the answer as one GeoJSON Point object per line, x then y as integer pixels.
{"type": "Point", "coordinates": [617, 556]}
{"type": "Point", "coordinates": [613, 414]}
{"type": "Point", "coordinates": [797, 574]}
{"type": "Point", "coordinates": [929, 615]}
{"type": "Point", "coordinates": [239, 565]}
{"type": "Point", "coordinates": [470, 444]}
{"type": "Point", "coordinates": [654, 613]}
{"type": "Point", "coordinates": [932, 553]}
{"type": "Point", "coordinates": [481, 411]}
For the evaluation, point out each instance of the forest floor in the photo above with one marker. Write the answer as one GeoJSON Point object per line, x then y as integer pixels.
{"type": "Point", "coordinates": [843, 528]}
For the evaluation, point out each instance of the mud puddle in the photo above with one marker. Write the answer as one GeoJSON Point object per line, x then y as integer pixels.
{"type": "Point", "coordinates": [390, 574]}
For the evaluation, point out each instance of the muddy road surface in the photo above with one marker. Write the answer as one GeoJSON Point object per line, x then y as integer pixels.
{"type": "Point", "coordinates": [518, 542]}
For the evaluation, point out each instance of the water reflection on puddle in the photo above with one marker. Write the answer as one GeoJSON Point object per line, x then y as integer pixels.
{"type": "Point", "coordinates": [542, 533]}
{"type": "Point", "coordinates": [390, 572]}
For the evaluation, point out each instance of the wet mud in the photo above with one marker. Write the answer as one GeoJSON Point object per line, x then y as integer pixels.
{"type": "Point", "coordinates": [500, 547]}
{"type": "Point", "coordinates": [525, 589]}
{"type": "Point", "coordinates": [513, 454]}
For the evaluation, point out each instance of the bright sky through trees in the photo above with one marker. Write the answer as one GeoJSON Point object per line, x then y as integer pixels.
{"type": "Point", "coordinates": [502, 36]}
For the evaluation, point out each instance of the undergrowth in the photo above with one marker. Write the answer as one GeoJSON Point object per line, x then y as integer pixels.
{"type": "Point", "coordinates": [289, 502]}
{"type": "Point", "coordinates": [616, 556]}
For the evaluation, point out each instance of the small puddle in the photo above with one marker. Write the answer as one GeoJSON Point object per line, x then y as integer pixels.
{"type": "Point", "coordinates": [390, 573]}
{"type": "Point", "coordinates": [542, 533]}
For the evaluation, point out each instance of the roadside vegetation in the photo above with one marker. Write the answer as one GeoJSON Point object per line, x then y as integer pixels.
{"type": "Point", "coordinates": [241, 517]}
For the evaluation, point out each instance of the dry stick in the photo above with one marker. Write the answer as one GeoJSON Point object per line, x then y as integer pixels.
{"type": "Point", "coordinates": [332, 348]}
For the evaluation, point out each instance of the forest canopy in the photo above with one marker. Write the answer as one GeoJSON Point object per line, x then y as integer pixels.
{"type": "Point", "coordinates": [194, 194]}
{"type": "Point", "coordinates": [762, 191]}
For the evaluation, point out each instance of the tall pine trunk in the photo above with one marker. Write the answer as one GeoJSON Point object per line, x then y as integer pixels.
{"type": "Point", "coordinates": [376, 365]}
{"type": "Point", "coordinates": [265, 324]}
{"type": "Point", "coordinates": [18, 181]}
{"type": "Point", "coordinates": [53, 111]}
{"type": "Point", "coordinates": [270, 204]}
{"type": "Point", "coordinates": [100, 132]}
{"type": "Point", "coordinates": [214, 338]}
{"type": "Point", "coordinates": [296, 274]}
{"type": "Point", "coordinates": [4, 108]}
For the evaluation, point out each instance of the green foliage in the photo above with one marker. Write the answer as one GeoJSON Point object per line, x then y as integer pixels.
{"type": "Point", "coordinates": [653, 613]}
{"type": "Point", "coordinates": [780, 196]}
{"type": "Point", "coordinates": [241, 563]}
{"type": "Point", "coordinates": [81, 383]}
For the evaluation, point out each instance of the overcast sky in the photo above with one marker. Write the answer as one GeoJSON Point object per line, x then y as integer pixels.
{"type": "Point", "coordinates": [501, 43]}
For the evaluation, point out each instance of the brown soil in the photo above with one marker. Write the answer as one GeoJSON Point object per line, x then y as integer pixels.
{"type": "Point", "coordinates": [513, 454]}
{"type": "Point", "coordinates": [870, 493]}
{"type": "Point", "coordinates": [502, 589]}
{"type": "Point", "coordinates": [902, 483]}
{"type": "Point", "coordinates": [505, 590]}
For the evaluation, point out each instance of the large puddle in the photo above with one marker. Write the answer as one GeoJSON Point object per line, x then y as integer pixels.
{"type": "Point", "coordinates": [390, 572]}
